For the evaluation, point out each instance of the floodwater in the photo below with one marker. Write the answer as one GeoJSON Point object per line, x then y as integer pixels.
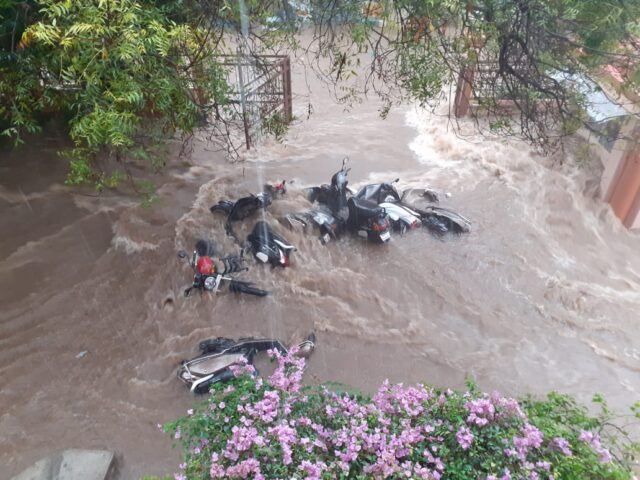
{"type": "Point", "coordinates": [543, 294]}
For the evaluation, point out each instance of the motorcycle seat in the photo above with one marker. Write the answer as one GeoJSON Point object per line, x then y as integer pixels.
{"type": "Point", "coordinates": [212, 363]}
{"type": "Point", "coordinates": [364, 208]}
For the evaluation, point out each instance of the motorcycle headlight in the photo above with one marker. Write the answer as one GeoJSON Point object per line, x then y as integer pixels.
{"type": "Point", "coordinates": [209, 283]}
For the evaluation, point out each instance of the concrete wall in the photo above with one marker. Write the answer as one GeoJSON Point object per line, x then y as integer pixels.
{"type": "Point", "coordinates": [620, 182]}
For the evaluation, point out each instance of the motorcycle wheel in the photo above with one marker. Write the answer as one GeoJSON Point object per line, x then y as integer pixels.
{"type": "Point", "coordinates": [246, 287]}
{"type": "Point", "coordinates": [205, 248]}
{"type": "Point", "coordinates": [224, 206]}
{"type": "Point", "coordinates": [222, 376]}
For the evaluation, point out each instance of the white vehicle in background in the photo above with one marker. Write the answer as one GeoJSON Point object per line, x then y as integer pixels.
{"type": "Point", "coordinates": [402, 217]}
{"type": "Point", "coordinates": [437, 220]}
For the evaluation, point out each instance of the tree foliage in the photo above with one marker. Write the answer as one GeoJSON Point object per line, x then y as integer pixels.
{"type": "Point", "coordinates": [130, 74]}
{"type": "Point", "coordinates": [125, 75]}
{"type": "Point", "coordinates": [540, 57]}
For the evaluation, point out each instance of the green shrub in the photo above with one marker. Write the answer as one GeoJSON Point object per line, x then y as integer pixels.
{"type": "Point", "coordinates": [250, 428]}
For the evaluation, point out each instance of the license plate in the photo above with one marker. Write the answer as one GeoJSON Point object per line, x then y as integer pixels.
{"type": "Point", "coordinates": [385, 236]}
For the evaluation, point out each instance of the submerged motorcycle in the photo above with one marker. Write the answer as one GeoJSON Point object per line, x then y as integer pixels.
{"type": "Point", "coordinates": [275, 190]}
{"type": "Point", "coordinates": [241, 209]}
{"type": "Point", "coordinates": [219, 355]}
{"type": "Point", "coordinates": [208, 274]}
{"type": "Point", "coordinates": [322, 219]}
{"type": "Point", "coordinates": [368, 220]}
{"type": "Point", "coordinates": [365, 218]}
{"type": "Point", "coordinates": [438, 220]}
{"type": "Point", "coordinates": [334, 196]}
{"type": "Point", "coordinates": [247, 206]}
{"type": "Point", "coordinates": [269, 247]}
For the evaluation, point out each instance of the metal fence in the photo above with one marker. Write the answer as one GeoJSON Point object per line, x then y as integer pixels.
{"type": "Point", "coordinates": [261, 89]}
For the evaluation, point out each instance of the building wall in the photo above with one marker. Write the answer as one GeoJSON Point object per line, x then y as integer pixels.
{"type": "Point", "coordinates": [634, 218]}
{"type": "Point", "coordinates": [620, 182]}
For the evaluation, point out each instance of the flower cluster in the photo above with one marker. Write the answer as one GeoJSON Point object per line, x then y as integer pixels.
{"type": "Point", "coordinates": [279, 429]}
{"type": "Point", "coordinates": [593, 440]}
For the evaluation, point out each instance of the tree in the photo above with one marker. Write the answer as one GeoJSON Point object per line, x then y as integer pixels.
{"type": "Point", "coordinates": [130, 74]}
{"type": "Point", "coordinates": [125, 75]}
{"type": "Point", "coordinates": [540, 56]}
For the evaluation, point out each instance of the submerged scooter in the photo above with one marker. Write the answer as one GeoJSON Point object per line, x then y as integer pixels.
{"type": "Point", "coordinates": [219, 355]}
{"type": "Point", "coordinates": [276, 190]}
{"type": "Point", "coordinates": [368, 220]}
{"type": "Point", "coordinates": [404, 216]}
{"type": "Point", "coordinates": [241, 209]}
{"type": "Point", "coordinates": [321, 219]}
{"type": "Point", "coordinates": [360, 216]}
{"type": "Point", "coordinates": [269, 247]}
{"type": "Point", "coordinates": [208, 275]}
{"type": "Point", "coordinates": [246, 206]}
{"type": "Point", "coordinates": [334, 196]}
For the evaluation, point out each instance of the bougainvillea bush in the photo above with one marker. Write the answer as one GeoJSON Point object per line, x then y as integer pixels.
{"type": "Point", "coordinates": [278, 429]}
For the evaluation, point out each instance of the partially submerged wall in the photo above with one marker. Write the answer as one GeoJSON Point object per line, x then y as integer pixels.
{"type": "Point", "coordinates": [620, 182]}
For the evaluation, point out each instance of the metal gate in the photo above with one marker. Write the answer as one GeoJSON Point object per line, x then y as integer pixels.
{"type": "Point", "coordinates": [261, 90]}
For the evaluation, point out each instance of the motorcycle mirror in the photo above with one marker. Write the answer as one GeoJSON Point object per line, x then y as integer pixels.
{"type": "Point", "coordinates": [182, 254]}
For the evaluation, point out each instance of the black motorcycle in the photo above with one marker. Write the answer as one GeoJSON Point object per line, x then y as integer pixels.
{"type": "Point", "coordinates": [334, 196]}
{"type": "Point", "coordinates": [268, 246]}
{"type": "Point", "coordinates": [275, 190]}
{"type": "Point", "coordinates": [360, 216]}
{"type": "Point", "coordinates": [208, 274]}
{"type": "Point", "coordinates": [241, 209]}
{"type": "Point", "coordinates": [329, 225]}
{"type": "Point", "coordinates": [380, 192]}
{"type": "Point", "coordinates": [368, 220]}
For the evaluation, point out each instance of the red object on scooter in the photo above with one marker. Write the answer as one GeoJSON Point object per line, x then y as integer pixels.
{"type": "Point", "coordinates": [205, 266]}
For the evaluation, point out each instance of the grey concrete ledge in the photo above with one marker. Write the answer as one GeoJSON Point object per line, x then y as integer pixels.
{"type": "Point", "coordinates": [70, 465]}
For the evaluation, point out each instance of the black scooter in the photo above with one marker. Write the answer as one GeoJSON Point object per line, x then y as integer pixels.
{"type": "Point", "coordinates": [269, 247]}
{"type": "Point", "coordinates": [368, 220]}
{"type": "Point", "coordinates": [321, 219]}
{"type": "Point", "coordinates": [241, 209]}
{"type": "Point", "coordinates": [360, 216]}
{"type": "Point", "coordinates": [334, 196]}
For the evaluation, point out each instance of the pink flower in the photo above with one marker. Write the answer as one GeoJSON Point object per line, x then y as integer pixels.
{"type": "Point", "coordinates": [562, 445]}
{"type": "Point", "coordinates": [464, 437]}
{"type": "Point", "coordinates": [481, 411]}
{"type": "Point", "coordinates": [593, 439]}
{"type": "Point", "coordinates": [216, 470]}
{"type": "Point", "coordinates": [244, 468]}
{"type": "Point", "coordinates": [313, 470]}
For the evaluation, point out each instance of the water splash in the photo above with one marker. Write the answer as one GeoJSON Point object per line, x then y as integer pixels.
{"type": "Point", "coordinates": [255, 121]}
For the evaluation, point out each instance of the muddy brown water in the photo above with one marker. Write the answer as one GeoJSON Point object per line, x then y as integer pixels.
{"type": "Point", "coordinates": [543, 294]}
